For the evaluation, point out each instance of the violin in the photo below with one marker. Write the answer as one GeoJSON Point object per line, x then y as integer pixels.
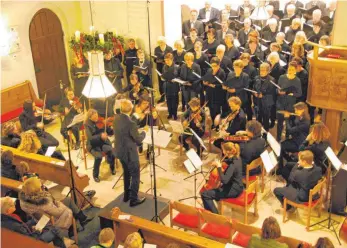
{"type": "Point", "coordinates": [223, 123]}
{"type": "Point", "coordinates": [102, 122]}
{"type": "Point", "coordinates": [213, 181]}
{"type": "Point", "coordinates": [47, 115]}
{"type": "Point", "coordinates": [75, 103]}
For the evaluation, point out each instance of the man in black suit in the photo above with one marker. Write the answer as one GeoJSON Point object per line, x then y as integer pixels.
{"type": "Point", "coordinates": [127, 138]}
{"type": "Point", "coordinates": [225, 30]}
{"type": "Point", "coordinates": [243, 33]}
{"type": "Point", "coordinates": [192, 23]}
{"type": "Point", "coordinates": [270, 11]}
{"type": "Point", "coordinates": [313, 3]}
{"type": "Point", "coordinates": [296, 3]}
{"type": "Point", "coordinates": [246, 4]}
{"type": "Point", "coordinates": [208, 13]}
{"type": "Point", "coordinates": [330, 9]}
{"type": "Point", "coordinates": [230, 11]}
{"type": "Point", "coordinates": [303, 177]}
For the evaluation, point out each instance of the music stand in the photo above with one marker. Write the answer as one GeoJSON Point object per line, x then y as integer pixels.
{"type": "Point", "coordinates": [77, 119]}
{"type": "Point", "coordinates": [336, 162]}
{"type": "Point", "coordinates": [192, 164]}
{"type": "Point", "coordinates": [178, 128]}
{"type": "Point", "coordinates": [202, 145]}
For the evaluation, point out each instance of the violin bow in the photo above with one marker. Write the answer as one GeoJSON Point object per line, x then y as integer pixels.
{"type": "Point", "coordinates": [208, 174]}
{"type": "Point", "coordinates": [203, 106]}
{"type": "Point", "coordinates": [43, 108]}
{"type": "Point", "coordinates": [106, 114]}
{"type": "Point", "coordinates": [73, 106]}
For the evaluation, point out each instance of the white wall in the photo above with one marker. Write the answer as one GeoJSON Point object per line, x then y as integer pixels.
{"type": "Point", "coordinates": [19, 67]}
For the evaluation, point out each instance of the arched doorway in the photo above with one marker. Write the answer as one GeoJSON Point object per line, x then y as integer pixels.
{"type": "Point", "coordinates": [47, 46]}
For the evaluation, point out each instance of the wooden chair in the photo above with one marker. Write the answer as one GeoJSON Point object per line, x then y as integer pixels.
{"type": "Point", "coordinates": [244, 202]}
{"type": "Point", "coordinates": [216, 227]}
{"type": "Point", "coordinates": [243, 233]}
{"type": "Point", "coordinates": [253, 165]}
{"type": "Point", "coordinates": [187, 218]}
{"type": "Point", "coordinates": [310, 205]}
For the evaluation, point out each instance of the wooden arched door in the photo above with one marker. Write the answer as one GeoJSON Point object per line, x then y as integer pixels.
{"type": "Point", "coordinates": [48, 51]}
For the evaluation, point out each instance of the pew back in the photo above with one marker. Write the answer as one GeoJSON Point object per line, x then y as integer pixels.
{"type": "Point", "coordinates": [13, 239]}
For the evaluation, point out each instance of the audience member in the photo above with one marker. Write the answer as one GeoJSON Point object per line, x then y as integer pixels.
{"type": "Point", "coordinates": [106, 238]}
{"type": "Point", "coordinates": [134, 240]}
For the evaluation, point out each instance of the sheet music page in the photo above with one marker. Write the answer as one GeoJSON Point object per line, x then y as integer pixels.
{"type": "Point", "coordinates": [149, 246]}
{"type": "Point", "coordinates": [194, 158]}
{"type": "Point", "coordinates": [161, 138]}
{"type": "Point", "coordinates": [177, 126]}
{"type": "Point", "coordinates": [276, 147]}
{"type": "Point", "coordinates": [333, 158]}
{"type": "Point", "coordinates": [42, 222]}
{"type": "Point", "coordinates": [228, 245]}
{"type": "Point", "coordinates": [273, 158]}
{"type": "Point", "coordinates": [77, 119]}
{"type": "Point", "coordinates": [189, 166]}
{"type": "Point", "coordinates": [199, 139]}
{"type": "Point", "coordinates": [265, 157]}
{"type": "Point", "coordinates": [50, 151]}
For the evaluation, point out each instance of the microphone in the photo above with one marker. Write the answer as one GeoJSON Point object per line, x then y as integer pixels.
{"type": "Point", "coordinates": [150, 89]}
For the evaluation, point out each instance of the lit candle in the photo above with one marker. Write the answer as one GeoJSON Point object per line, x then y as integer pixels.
{"type": "Point", "coordinates": [91, 29]}
{"type": "Point", "coordinates": [77, 35]}
{"type": "Point", "coordinates": [101, 39]}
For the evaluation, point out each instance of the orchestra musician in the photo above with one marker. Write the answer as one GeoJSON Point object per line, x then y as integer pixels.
{"type": "Point", "coordinates": [234, 122]}
{"type": "Point", "coordinates": [303, 177]}
{"type": "Point", "coordinates": [170, 72]}
{"type": "Point", "coordinates": [71, 107]}
{"type": "Point", "coordinates": [296, 132]}
{"type": "Point", "coordinates": [251, 150]}
{"type": "Point", "coordinates": [160, 51]}
{"type": "Point", "coordinates": [231, 185]}
{"type": "Point", "coordinates": [143, 74]}
{"type": "Point", "coordinates": [215, 95]}
{"type": "Point", "coordinates": [79, 73]}
{"type": "Point", "coordinates": [127, 138]}
{"type": "Point", "coordinates": [265, 95]}
{"type": "Point", "coordinates": [193, 118]}
{"type": "Point", "coordinates": [130, 57]}
{"type": "Point", "coordinates": [28, 121]}
{"type": "Point", "coordinates": [135, 89]}
{"type": "Point", "coordinates": [98, 143]}
{"type": "Point", "coordinates": [114, 70]}
{"type": "Point", "coordinates": [188, 72]}
{"type": "Point", "coordinates": [288, 94]}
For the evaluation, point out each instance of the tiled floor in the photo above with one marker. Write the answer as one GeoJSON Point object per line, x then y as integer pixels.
{"type": "Point", "coordinates": [171, 184]}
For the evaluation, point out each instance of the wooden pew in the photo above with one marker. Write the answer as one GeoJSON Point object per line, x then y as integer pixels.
{"type": "Point", "coordinates": [10, 184]}
{"type": "Point", "coordinates": [158, 234]}
{"type": "Point", "coordinates": [11, 239]}
{"type": "Point", "coordinates": [53, 170]}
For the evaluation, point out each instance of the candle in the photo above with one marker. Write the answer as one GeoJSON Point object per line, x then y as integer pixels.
{"type": "Point", "coordinates": [101, 39]}
{"type": "Point", "coordinates": [91, 29]}
{"type": "Point", "coordinates": [77, 35]}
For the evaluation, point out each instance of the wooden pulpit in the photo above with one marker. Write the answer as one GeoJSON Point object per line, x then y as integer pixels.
{"type": "Point", "coordinates": [327, 87]}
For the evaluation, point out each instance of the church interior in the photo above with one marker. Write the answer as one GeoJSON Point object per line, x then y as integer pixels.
{"type": "Point", "coordinates": [161, 123]}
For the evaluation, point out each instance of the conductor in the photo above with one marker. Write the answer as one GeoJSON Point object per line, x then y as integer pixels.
{"type": "Point", "coordinates": [127, 138]}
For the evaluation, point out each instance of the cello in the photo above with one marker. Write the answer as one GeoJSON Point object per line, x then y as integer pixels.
{"type": "Point", "coordinates": [213, 181]}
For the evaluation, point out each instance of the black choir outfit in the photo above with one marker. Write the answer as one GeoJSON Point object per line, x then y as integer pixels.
{"type": "Point", "coordinates": [189, 44]}
{"type": "Point", "coordinates": [171, 89]}
{"type": "Point", "coordinates": [258, 53]}
{"type": "Point", "coordinates": [265, 103]}
{"type": "Point", "coordinates": [216, 97]}
{"type": "Point", "coordinates": [204, 67]}
{"type": "Point", "coordinates": [187, 25]}
{"type": "Point", "coordinates": [199, 130]}
{"type": "Point", "coordinates": [226, 64]}
{"type": "Point", "coordinates": [243, 36]}
{"type": "Point", "coordinates": [186, 74]}
{"type": "Point", "coordinates": [211, 48]}
{"type": "Point", "coordinates": [79, 82]}
{"type": "Point", "coordinates": [298, 132]}
{"type": "Point", "coordinates": [318, 150]}
{"type": "Point", "coordinates": [299, 183]}
{"type": "Point", "coordinates": [114, 72]}
{"type": "Point", "coordinates": [276, 71]}
{"type": "Point", "coordinates": [130, 58]}
{"type": "Point", "coordinates": [220, 34]}
{"type": "Point", "coordinates": [28, 121]}
{"type": "Point", "coordinates": [303, 76]}
{"type": "Point", "coordinates": [315, 37]}
{"type": "Point", "coordinates": [250, 151]}
{"type": "Point", "coordinates": [269, 35]}
{"type": "Point", "coordinates": [290, 34]}
{"type": "Point", "coordinates": [297, 4]}
{"type": "Point", "coordinates": [159, 60]}
{"type": "Point", "coordinates": [178, 57]}
{"type": "Point", "coordinates": [286, 102]}
{"type": "Point", "coordinates": [143, 75]}
{"type": "Point", "coordinates": [214, 13]}
{"type": "Point", "coordinates": [232, 185]}
{"type": "Point", "coordinates": [97, 146]}
{"type": "Point", "coordinates": [232, 53]}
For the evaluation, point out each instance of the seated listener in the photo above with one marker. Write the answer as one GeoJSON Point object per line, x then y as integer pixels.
{"type": "Point", "coordinates": [13, 222]}
{"type": "Point", "coordinates": [106, 238]}
{"type": "Point", "coordinates": [270, 231]}
{"type": "Point", "coordinates": [303, 177]}
{"type": "Point", "coordinates": [324, 243]}
{"type": "Point", "coordinates": [231, 178]}
{"type": "Point", "coordinates": [133, 240]}
{"type": "Point", "coordinates": [36, 202]}
{"type": "Point", "coordinates": [10, 135]}
{"type": "Point", "coordinates": [8, 169]}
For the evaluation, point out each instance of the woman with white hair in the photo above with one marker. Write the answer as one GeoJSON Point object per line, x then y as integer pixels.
{"type": "Point", "coordinates": [280, 39]}
{"type": "Point", "coordinates": [225, 62]}
{"type": "Point", "coordinates": [159, 52]}
{"type": "Point", "coordinates": [271, 32]}
{"type": "Point", "coordinates": [179, 52]}
{"type": "Point", "coordinates": [294, 28]}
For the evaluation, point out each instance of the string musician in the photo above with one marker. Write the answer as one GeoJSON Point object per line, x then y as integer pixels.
{"type": "Point", "coordinates": [231, 185]}
{"type": "Point", "coordinates": [134, 89]}
{"type": "Point", "coordinates": [193, 118]}
{"type": "Point", "coordinates": [98, 143]}
{"type": "Point", "coordinates": [71, 107]}
{"type": "Point", "coordinates": [234, 122]}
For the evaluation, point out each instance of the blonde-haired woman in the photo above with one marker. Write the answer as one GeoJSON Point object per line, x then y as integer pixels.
{"type": "Point", "coordinates": [35, 201]}
{"type": "Point", "coordinates": [179, 52]}
{"type": "Point", "coordinates": [133, 240]}
{"type": "Point", "coordinates": [79, 73]}
{"type": "Point", "coordinates": [231, 178]}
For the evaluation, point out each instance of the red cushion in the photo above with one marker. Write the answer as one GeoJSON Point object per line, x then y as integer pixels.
{"type": "Point", "coordinates": [186, 220]}
{"type": "Point", "coordinates": [252, 178]}
{"type": "Point", "coordinates": [241, 239]}
{"type": "Point", "coordinates": [314, 203]}
{"type": "Point", "coordinates": [39, 103]}
{"type": "Point", "coordinates": [241, 199]}
{"type": "Point", "coordinates": [218, 231]}
{"type": "Point", "coordinates": [11, 115]}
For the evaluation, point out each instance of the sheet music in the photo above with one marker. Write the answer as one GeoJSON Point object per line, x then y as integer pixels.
{"type": "Point", "coordinates": [273, 158]}
{"type": "Point", "coordinates": [50, 151]}
{"type": "Point", "coordinates": [161, 138]}
{"type": "Point", "coordinates": [346, 143]}
{"type": "Point", "coordinates": [177, 127]}
{"type": "Point", "coordinates": [177, 80]}
{"type": "Point", "coordinates": [276, 85]}
{"type": "Point", "coordinates": [194, 158]}
{"type": "Point", "coordinates": [158, 72]}
{"type": "Point", "coordinates": [252, 91]}
{"type": "Point", "coordinates": [276, 147]}
{"type": "Point", "coordinates": [228, 245]}
{"type": "Point", "coordinates": [77, 119]}
{"type": "Point", "coordinates": [189, 166]}
{"type": "Point", "coordinates": [265, 157]}
{"type": "Point", "coordinates": [149, 246]}
{"type": "Point", "coordinates": [42, 222]}
{"type": "Point", "coordinates": [333, 158]}
{"type": "Point", "coordinates": [208, 63]}
{"type": "Point", "coordinates": [196, 74]}
{"type": "Point", "coordinates": [124, 217]}
{"type": "Point", "coordinates": [282, 63]}
{"type": "Point", "coordinates": [199, 139]}
{"type": "Point", "coordinates": [219, 80]}
{"type": "Point", "coordinates": [136, 66]}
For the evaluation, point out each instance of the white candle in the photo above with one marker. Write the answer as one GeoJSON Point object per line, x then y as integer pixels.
{"type": "Point", "coordinates": [101, 39]}
{"type": "Point", "coordinates": [91, 29]}
{"type": "Point", "coordinates": [77, 35]}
